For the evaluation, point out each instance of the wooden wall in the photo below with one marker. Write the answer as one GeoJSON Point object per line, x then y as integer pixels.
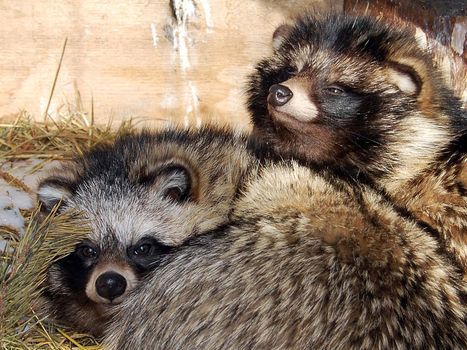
{"type": "Point", "coordinates": [180, 60]}
{"type": "Point", "coordinates": [177, 60]}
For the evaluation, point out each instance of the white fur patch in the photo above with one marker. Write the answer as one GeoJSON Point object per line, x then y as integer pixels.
{"type": "Point", "coordinates": [420, 146]}
{"type": "Point", "coordinates": [402, 80]}
{"type": "Point", "coordinates": [300, 105]}
{"type": "Point", "coordinates": [50, 195]}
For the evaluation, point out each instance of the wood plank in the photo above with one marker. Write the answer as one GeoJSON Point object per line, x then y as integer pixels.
{"type": "Point", "coordinates": [137, 58]}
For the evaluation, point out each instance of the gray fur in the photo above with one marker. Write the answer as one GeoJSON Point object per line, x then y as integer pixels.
{"type": "Point", "coordinates": [166, 186]}
{"type": "Point", "coordinates": [308, 262]}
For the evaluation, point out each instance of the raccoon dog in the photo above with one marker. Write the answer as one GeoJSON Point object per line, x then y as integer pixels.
{"type": "Point", "coordinates": [356, 93]}
{"type": "Point", "coordinates": [142, 196]}
{"type": "Point", "coordinates": [309, 261]}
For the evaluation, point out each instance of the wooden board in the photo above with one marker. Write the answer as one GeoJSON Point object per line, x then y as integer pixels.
{"type": "Point", "coordinates": [180, 60]}
{"type": "Point", "coordinates": [183, 61]}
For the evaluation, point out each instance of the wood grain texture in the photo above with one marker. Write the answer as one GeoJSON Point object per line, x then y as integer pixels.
{"type": "Point", "coordinates": [181, 60]}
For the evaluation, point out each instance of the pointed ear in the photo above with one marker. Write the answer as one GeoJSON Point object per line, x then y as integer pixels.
{"type": "Point", "coordinates": [172, 180]}
{"type": "Point", "coordinates": [53, 191]}
{"type": "Point", "coordinates": [280, 35]}
{"type": "Point", "coordinates": [405, 78]}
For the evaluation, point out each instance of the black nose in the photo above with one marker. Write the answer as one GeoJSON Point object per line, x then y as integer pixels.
{"type": "Point", "coordinates": [110, 285]}
{"type": "Point", "coordinates": [279, 95]}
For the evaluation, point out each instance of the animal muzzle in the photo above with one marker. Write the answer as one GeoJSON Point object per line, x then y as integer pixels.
{"type": "Point", "coordinates": [110, 285]}
{"type": "Point", "coordinates": [290, 102]}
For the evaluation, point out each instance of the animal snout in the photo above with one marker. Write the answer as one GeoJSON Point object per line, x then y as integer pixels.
{"type": "Point", "coordinates": [279, 95]}
{"type": "Point", "coordinates": [110, 285]}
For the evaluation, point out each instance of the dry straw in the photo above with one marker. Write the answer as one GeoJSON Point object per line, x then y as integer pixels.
{"type": "Point", "coordinates": [24, 261]}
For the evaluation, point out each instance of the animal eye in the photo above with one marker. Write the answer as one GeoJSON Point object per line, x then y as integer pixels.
{"type": "Point", "coordinates": [335, 90]}
{"type": "Point", "coordinates": [142, 250]}
{"type": "Point", "coordinates": [87, 252]}
{"type": "Point", "coordinates": [147, 252]}
{"type": "Point", "coordinates": [291, 70]}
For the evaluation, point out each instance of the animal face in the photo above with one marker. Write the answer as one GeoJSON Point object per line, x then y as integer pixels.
{"type": "Point", "coordinates": [134, 221]}
{"type": "Point", "coordinates": [349, 91]}
{"type": "Point", "coordinates": [141, 197]}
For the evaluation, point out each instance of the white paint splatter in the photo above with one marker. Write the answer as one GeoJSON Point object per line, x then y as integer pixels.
{"type": "Point", "coordinates": [207, 15]}
{"type": "Point", "coordinates": [191, 101]}
{"type": "Point", "coordinates": [169, 101]}
{"type": "Point", "coordinates": [155, 38]}
{"type": "Point", "coordinates": [186, 118]}
{"type": "Point", "coordinates": [184, 11]}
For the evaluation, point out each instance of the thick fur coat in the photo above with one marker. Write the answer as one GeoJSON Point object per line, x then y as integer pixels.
{"type": "Point", "coordinates": [356, 93]}
{"type": "Point", "coordinates": [309, 261]}
{"type": "Point", "coordinates": [141, 196]}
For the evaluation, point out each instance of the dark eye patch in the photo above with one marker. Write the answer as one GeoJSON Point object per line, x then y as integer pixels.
{"type": "Point", "coordinates": [73, 271]}
{"type": "Point", "coordinates": [147, 252]}
{"type": "Point", "coordinates": [352, 112]}
{"type": "Point", "coordinates": [87, 252]}
{"type": "Point", "coordinates": [341, 102]}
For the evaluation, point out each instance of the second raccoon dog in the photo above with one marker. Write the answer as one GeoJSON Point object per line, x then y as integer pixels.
{"type": "Point", "coordinates": [141, 197]}
{"type": "Point", "coordinates": [308, 262]}
{"type": "Point", "coordinates": [356, 93]}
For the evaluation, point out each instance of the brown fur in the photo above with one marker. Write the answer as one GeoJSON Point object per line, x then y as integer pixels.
{"type": "Point", "coordinates": [438, 198]}
{"type": "Point", "coordinates": [393, 121]}
{"type": "Point", "coordinates": [157, 188]}
{"type": "Point", "coordinates": [308, 262]}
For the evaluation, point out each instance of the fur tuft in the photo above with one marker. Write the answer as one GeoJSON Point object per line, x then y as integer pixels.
{"type": "Point", "coordinates": [142, 196]}
{"type": "Point", "coordinates": [384, 113]}
{"type": "Point", "coordinates": [308, 262]}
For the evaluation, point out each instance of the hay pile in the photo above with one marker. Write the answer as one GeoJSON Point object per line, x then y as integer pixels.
{"type": "Point", "coordinates": [25, 254]}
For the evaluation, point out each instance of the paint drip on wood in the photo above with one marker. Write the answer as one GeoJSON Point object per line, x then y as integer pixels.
{"type": "Point", "coordinates": [184, 13]}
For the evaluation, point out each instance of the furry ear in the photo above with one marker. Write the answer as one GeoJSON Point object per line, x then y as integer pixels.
{"type": "Point", "coordinates": [280, 35]}
{"type": "Point", "coordinates": [178, 183]}
{"type": "Point", "coordinates": [173, 181]}
{"type": "Point", "coordinates": [52, 191]}
{"type": "Point", "coordinates": [405, 78]}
